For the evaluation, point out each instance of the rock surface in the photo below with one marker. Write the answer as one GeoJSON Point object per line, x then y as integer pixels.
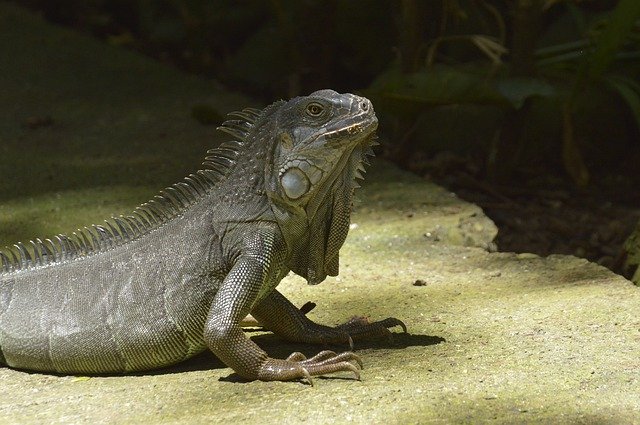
{"type": "Point", "coordinates": [493, 337]}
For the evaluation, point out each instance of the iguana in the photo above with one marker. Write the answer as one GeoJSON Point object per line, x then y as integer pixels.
{"type": "Point", "coordinates": [179, 274]}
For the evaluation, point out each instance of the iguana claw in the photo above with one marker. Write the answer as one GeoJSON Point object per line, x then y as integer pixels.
{"type": "Point", "coordinates": [360, 328]}
{"type": "Point", "coordinates": [297, 366]}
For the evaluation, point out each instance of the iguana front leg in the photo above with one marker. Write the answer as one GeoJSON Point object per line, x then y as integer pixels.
{"type": "Point", "coordinates": [260, 258]}
{"type": "Point", "coordinates": [280, 316]}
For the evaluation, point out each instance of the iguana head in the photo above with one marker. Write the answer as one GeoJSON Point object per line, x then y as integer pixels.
{"type": "Point", "coordinates": [320, 143]}
{"type": "Point", "coordinates": [316, 136]}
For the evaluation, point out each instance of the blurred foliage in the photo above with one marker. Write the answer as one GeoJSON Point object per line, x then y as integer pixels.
{"type": "Point", "coordinates": [515, 82]}
{"type": "Point", "coordinates": [275, 48]}
{"type": "Point", "coordinates": [550, 71]}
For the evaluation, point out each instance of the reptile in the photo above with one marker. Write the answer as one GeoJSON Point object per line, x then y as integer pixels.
{"type": "Point", "coordinates": [180, 273]}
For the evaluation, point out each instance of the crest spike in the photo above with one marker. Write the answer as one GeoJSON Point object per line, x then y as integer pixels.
{"type": "Point", "coordinates": [24, 254]}
{"type": "Point", "coordinates": [14, 257]}
{"type": "Point", "coordinates": [50, 248]}
{"type": "Point", "coordinates": [170, 202]}
{"type": "Point", "coordinates": [5, 262]}
{"type": "Point", "coordinates": [37, 254]}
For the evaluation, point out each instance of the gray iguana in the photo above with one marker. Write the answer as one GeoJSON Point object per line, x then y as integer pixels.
{"type": "Point", "coordinates": [180, 273]}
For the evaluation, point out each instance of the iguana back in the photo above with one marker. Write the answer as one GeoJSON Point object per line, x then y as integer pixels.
{"type": "Point", "coordinates": [130, 296]}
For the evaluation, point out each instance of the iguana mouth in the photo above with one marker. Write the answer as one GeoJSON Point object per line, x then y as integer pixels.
{"type": "Point", "coordinates": [364, 124]}
{"type": "Point", "coordinates": [350, 131]}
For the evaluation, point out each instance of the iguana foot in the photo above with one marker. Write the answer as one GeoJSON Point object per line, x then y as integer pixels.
{"type": "Point", "coordinates": [360, 328]}
{"type": "Point", "coordinates": [297, 366]}
{"type": "Point", "coordinates": [356, 329]}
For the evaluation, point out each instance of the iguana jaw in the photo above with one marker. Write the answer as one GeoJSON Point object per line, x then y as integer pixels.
{"type": "Point", "coordinates": [304, 176]}
{"type": "Point", "coordinates": [345, 168]}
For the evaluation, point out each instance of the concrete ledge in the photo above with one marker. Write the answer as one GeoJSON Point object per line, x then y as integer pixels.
{"type": "Point", "coordinates": [493, 337]}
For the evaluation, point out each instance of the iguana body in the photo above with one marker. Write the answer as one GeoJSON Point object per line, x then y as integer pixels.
{"type": "Point", "coordinates": [179, 274]}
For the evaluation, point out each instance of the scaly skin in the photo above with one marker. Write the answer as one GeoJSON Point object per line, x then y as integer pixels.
{"type": "Point", "coordinates": [180, 274]}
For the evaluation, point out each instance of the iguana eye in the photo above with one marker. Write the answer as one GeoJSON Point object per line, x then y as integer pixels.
{"type": "Point", "coordinates": [314, 109]}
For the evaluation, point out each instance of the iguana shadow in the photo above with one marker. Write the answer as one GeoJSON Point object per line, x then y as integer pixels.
{"type": "Point", "coordinates": [277, 348]}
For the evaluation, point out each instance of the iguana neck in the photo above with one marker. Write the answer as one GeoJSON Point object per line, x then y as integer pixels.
{"type": "Point", "coordinates": [314, 237]}
{"type": "Point", "coordinates": [242, 197]}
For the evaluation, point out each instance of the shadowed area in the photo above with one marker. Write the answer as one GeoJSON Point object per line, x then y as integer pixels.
{"type": "Point", "coordinates": [75, 119]}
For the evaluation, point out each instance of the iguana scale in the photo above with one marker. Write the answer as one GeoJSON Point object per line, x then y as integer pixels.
{"type": "Point", "coordinates": [180, 273]}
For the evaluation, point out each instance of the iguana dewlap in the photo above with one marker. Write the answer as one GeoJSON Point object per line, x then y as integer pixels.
{"type": "Point", "coordinates": [180, 273]}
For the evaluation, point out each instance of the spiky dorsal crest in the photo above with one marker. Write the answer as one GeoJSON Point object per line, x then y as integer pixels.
{"type": "Point", "coordinates": [169, 203]}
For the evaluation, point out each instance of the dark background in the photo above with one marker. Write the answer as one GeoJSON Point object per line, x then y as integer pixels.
{"type": "Point", "coordinates": [530, 108]}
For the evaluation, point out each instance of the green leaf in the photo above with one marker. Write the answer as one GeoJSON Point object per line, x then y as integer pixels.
{"type": "Point", "coordinates": [629, 90]}
{"type": "Point", "coordinates": [441, 85]}
{"type": "Point", "coordinates": [621, 23]}
{"type": "Point", "coordinates": [518, 90]}
{"type": "Point", "coordinates": [438, 85]}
